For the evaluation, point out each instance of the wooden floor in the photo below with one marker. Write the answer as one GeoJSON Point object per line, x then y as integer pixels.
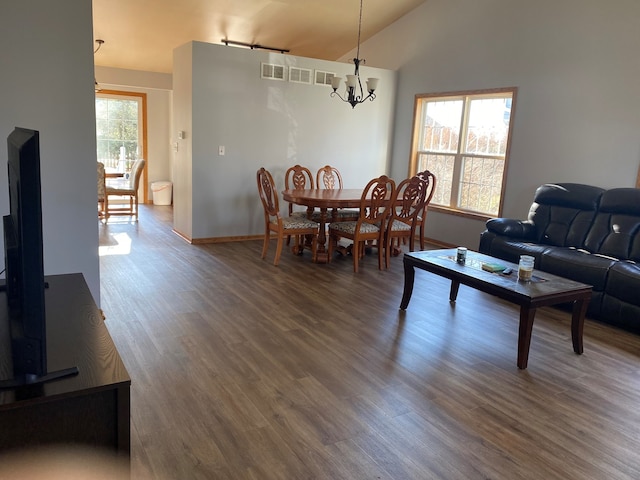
{"type": "Point", "coordinates": [243, 370]}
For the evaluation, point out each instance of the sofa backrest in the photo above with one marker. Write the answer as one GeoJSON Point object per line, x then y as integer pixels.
{"type": "Point", "coordinates": [616, 227]}
{"type": "Point", "coordinates": [563, 213]}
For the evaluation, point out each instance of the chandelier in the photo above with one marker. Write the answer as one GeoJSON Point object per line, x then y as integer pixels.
{"type": "Point", "coordinates": [355, 93]}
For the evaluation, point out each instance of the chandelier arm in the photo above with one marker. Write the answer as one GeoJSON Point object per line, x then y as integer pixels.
{"type": "Point", "coordinates": [336, 94]}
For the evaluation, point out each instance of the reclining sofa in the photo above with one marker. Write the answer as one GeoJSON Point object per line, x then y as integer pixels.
{"type": "Point", "coordinates": [584, 233]}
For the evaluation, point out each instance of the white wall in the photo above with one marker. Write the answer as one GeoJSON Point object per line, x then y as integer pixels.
{"type": "Point", "coordinates": [46, 83]}
{"type": "Point", "coordinates": [158, 88]}
{"type": "Point", "coordinates": [269, 123]}
{"type": "Point", "coordinates": [576, 65]}
{"type": "Point", "coordinates": [182, 120]}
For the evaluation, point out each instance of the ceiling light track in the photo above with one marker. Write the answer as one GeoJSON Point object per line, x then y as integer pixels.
{"type": "Point", "coordinates": [253, 46]}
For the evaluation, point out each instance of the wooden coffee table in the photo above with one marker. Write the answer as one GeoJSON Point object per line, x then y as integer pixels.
{"type": "Point", "coordinates": [544, 290]}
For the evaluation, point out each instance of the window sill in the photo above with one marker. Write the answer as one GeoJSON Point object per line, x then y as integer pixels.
{"type": "Point", "coordinates": [460, 213]}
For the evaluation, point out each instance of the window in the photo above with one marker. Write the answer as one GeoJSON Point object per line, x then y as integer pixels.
{"type": "Point", "coordinates": [463, 138]}
{"type": "Point", "coordinates": [120, 129]}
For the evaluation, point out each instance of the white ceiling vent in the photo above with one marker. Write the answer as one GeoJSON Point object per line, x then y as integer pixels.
{"type": "Point", "coordinates": [324, 78]}
{"type": "Point", "coordinates": [272, 71]}
{"type": "Point", "coordinates": [299, 75]}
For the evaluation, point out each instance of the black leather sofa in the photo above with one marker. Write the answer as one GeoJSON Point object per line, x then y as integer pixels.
{"type": "Point", "coordinates": [584, 233]}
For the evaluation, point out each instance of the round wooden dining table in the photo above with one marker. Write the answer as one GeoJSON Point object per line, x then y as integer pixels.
{"type": "Point", "coordinates": [327, 201]}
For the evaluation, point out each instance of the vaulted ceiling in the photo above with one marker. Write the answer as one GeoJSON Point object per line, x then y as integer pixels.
{"type": "Point", "coordinates": [141, 34]}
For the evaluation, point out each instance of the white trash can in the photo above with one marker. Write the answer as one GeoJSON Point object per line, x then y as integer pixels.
{"type": "Point", "coordinates": [161, 192]}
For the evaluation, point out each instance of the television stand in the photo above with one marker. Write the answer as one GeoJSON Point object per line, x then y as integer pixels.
{"type": "Point", "coordinates": [3, 285]}
{"type": "Point", "coordinates": [89, 407]}
{"type": "Point", "coordinates": [27, 380]}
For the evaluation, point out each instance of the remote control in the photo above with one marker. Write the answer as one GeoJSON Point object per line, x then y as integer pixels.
{"type": "Point", "coordinates": [507, 271]}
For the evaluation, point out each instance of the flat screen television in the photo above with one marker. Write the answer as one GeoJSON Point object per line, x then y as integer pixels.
{"type": "Point", "coordinates": [24, 265]}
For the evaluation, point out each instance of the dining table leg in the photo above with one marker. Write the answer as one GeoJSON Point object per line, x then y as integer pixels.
{"type": "Point", "coordinates": [322, 256]}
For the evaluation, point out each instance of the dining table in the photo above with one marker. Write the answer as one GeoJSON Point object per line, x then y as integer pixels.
{"type": "Point", "coordinates": [327, 201]}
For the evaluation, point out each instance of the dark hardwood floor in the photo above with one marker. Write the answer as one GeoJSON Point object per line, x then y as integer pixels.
{"type": "Point", "coordinates": [243, 370]}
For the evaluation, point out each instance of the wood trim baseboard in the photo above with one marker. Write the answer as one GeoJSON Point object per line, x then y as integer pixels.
{"type": "Point", "coordinates": [240, 238]}
{"type": "Point", "coordinates": [438, 243]}
{"type": "Point", "coordinates": [186, 238]}
{"type": "Point", "coordinates": [244, 238]}
{"type": "Point", "coordinates": [203, 241]}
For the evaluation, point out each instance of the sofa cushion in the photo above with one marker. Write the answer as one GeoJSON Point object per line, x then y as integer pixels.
{"type": "Point", "coordinates": [616, 226]}
{"type": "Point", "coordinates": [621, 314]}
{"type": "Point", "coordinates": [511, 227]}
{"type": "Point", "coordinates": [578, 265]}
{"type": "Point", "coordinates": [510, 249]}
{"type": "Point", "coordinates": [563, 212]}
{"type": "Point", "coordinates": [624, 282]}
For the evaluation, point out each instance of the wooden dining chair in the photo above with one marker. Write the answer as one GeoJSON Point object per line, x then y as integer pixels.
{"type": "Point", "coordinates": [101, 190]}
{"type": "Point", "coordinates": [430, 179]}
{"type": "Point", "coordinates": [297, 227]}
{"type": "Point", "coordinates": [370, 226]}
{"type": "Point", "coordinates": [298, 178]}
{"type": "Point", "coordinates": [129, 189]}
{"type": "Point", "coordinates": [406, 206]}
{"type": "Point", "coordinates": [329, 177]}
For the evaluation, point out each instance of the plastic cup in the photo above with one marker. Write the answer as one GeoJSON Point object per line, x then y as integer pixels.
{"type": "Point", "coordinates": [525, 268]}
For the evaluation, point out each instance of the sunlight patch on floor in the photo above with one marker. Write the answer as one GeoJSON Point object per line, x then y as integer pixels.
{"type": "Point", "coordinates": [118, 244]}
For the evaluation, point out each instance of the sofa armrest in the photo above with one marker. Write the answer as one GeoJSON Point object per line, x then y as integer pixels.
{"type": "Point", "coordinates": [513, 228]}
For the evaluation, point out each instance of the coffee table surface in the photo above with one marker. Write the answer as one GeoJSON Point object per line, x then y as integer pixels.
{"type": "Point", "coordinates": [542, 285]}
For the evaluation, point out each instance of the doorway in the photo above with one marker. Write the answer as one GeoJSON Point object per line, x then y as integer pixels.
{"type": "Point", "coordinates": [121, 132]}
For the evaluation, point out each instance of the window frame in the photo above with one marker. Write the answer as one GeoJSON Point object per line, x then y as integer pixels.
{"type": "Point", "coordinates": [142, 98]}
{"type": "Point", "coordinates": [466, 96]}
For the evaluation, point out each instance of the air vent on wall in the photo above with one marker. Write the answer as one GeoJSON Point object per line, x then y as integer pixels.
{"type": "Point", "coordinates": [324, 78]}
{"type": "Point", "coordinates": [299, 75]}
{"type": "Point", "coordinates": [272, 71]}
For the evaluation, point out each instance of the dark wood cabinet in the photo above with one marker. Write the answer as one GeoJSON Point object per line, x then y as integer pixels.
{"type": "Point", "coordinates": [91, 408]}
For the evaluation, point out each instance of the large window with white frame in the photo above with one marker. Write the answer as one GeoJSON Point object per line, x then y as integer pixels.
{"type": "Point", "coordinates": [464, 138]}
{"type": "Point", "coordinates": [120, 129]}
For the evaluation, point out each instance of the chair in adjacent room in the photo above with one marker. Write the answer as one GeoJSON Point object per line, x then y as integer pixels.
{"type": "Point", "coordinates": [329, 177]}
{"type": "Point", "coordinates": [101, 190]}
{"type": "Point", "coordinates": [407, 205]}
{"type": "Point", "coordinates": [294, 226]}
{"type": "Point", "coordinates": [129, 189]}
{"type": "Point", "coordinates": [370, 226]}
{"type": "Point", "coordinates": [430, 179]}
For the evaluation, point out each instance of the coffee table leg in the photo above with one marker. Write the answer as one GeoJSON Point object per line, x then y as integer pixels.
{"type": "Point", "coordinates": [577, 323]}
{"type": "Point", "coordinates": [524, 335]}
{"type": "Point", "coordinates": [409, 276]}
{"type": "Point", "coordinates": [453, 293]}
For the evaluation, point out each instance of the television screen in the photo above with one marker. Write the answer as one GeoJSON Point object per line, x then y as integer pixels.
{"type": "Point", "coordinates": [24, 266]}
{"type": "Point", "coordinates": [24, 269]}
